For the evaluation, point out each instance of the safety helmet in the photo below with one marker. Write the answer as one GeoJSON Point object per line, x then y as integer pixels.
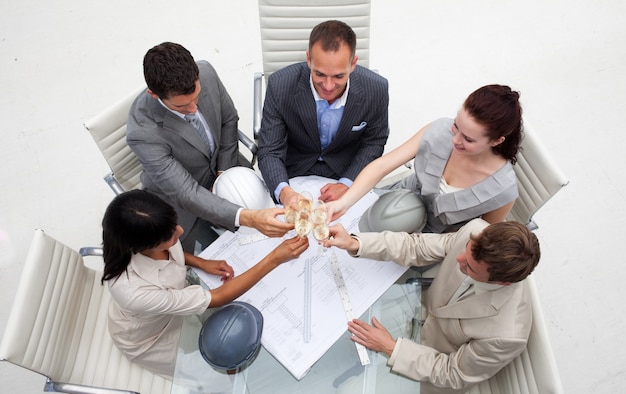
{"type": "Point", "coordinates": [396, 210]}
{"type": "Point", "coordinates": [231, 337]}
{"type": "Point", "coordinates": [244, 187]}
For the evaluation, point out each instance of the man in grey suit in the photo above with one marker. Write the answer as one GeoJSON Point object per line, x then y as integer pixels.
{"type": "Point", "coordinates": [182, 159]}
{"type": "Point", "coordinates": [326, 116]}
{"type": "Point", "coordinates": [478, 307]}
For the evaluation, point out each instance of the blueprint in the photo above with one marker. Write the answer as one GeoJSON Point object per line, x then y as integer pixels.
{"type": "Point", "coordinates": [280, 295]}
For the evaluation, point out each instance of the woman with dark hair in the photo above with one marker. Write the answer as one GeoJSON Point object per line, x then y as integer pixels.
{"type": "Point", "coordinates": [144, 267]}
{"type": "Point", "coordinates": [463, 166]}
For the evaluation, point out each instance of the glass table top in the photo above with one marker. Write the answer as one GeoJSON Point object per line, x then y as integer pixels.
{"type": "Point", "coordinates": [338, 371]}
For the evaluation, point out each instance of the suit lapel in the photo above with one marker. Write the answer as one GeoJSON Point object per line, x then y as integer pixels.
{"type": "Point", "coordinates": [306, 107]}
{"type": "Point", "coordinates": [172, 123]}
{"type": "Point", "coordinates": [478, 305]}
{"type": "Point", "coordinates": [208, 108]}
{"type": "Point", "coordinates": [351, 112]}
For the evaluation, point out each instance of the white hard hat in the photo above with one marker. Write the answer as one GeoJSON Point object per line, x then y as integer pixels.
{"type": "Point", "coordinates": [396, 210]}
{"type": "Point", "coordinates": [244, 187]}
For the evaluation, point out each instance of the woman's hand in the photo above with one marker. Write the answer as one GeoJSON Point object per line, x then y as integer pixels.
{"type": "Point", "coordinates": [335, 209]}
{"type": "Point", "coordinates": [217, 267]}
{"type": "Point", "coordinates": [289, 249]}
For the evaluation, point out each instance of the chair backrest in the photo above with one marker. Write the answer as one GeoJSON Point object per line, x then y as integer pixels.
{"type": "Point", "coordinates": [538, 178]}
{"type": "Point", "coordinates": [58, 324]}
{"type": "Point", "coordinates": [285, 29]}
{"type": "Point", "coordinates": [286, 25]}
{"type": "Point", "coordinates": [108, 130]}
{"type": "Point", "coordinates": [535, 369]}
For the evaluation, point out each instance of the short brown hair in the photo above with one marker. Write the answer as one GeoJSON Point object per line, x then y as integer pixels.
{"type": "Point", "coordinates": [509, 248]}
{"type": "Point", "coordinates": [331, 34]}
{"type": "Point", "coordinates": [169, 70]}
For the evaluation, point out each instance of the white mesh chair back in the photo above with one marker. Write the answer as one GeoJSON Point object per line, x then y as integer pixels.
{"type": "Point", "coordinates": [108, 130]}
{"type": "Point", "coordinates": [538, 178]}
{"type": "Point", "coordinates": [58, 325]}
{"type": "Point", "coordinates": [286, 25]}
{"type": "Point", "coordinates": [533, 371]}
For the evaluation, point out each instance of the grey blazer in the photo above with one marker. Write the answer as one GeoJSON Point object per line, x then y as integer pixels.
{"type": "Point", "coordinates": [289, 142]}
{"type": "Point", "coordinates": [463, 343]}
{"type": "Point", "coordinates": [176, 164]}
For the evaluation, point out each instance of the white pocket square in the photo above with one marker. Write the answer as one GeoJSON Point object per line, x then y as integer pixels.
{"type": "Point", "coordinates": [359, 127]}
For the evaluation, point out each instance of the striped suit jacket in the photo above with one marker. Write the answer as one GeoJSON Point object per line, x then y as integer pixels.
{"type": "Point", "coordinates": [289, 142]}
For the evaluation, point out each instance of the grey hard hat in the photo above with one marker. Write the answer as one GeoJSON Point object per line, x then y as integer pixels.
{"type": "Point", "coordinates": [396, 210]}
{"type": "Point", "coordinates": [231, 337]}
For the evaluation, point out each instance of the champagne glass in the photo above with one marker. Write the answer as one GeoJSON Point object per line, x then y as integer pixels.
{"type": "Point", "coordinates": [318, 216]}
{"type": "Point", "coordinates": [303, 225]}
{"type": "Point", "coordinates": [291, 211]}
{"type": "Point", "coordinates": [320, 227]}
{"type": "Point", "coordinates": [305, 201]}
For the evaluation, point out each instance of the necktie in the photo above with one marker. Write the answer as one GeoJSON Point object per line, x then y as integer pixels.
{"type": "Point", "coordinates": [195, 121]}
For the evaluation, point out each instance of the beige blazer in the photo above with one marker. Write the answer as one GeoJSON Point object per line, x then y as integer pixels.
{"type": "Point", "coordinates": [463, 343]}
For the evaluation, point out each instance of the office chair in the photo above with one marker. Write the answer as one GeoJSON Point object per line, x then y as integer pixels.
{"type": "Point", "coordinates": [285, 29]}
{"type": "Point", "coordinates": [57, 327]}
{"type": "Point", "coordinates": [533, 371]}
{"type": "Point", "coordinates": [108, 130]}
{"type": "Point", "coordinates": [538, 179]}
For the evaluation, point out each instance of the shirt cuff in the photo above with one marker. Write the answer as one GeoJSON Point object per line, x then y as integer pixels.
{"type": "Point", "coordinates": [279, 189]}
{"type": "Point", "coordinates": [394, 354]}
{"type": "Point", "coordinates": [237, 217]}
{"type": "Point", "coordinates": [358, 251]}
{"type": "Point", "coordinates": [345, 181]}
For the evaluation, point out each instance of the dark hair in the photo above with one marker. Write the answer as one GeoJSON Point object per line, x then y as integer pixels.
{"type": "Point", "coordinates": [497, 107]}
{"type": "Point", "coordinates": [509, 248]}
{"type": "Point", "coordinates": [169, 70]}
{"type": "Point", "coordinates": [331, 34]}
{"type": "Point", "coordinates": [134, 221]}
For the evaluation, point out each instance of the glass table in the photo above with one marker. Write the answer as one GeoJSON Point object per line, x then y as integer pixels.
{"type": "Point", "coordinates": [338, 371]}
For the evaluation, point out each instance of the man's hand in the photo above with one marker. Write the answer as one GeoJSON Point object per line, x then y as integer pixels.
{"type": "Point", "coordinates": [332, 191]}
{"type": "Point", "coordinates": [288, 195]}
{"type": "Point", "coordinates": [374, 337]}
{"type": "Point", "coordinates": [340, 238]}
{"type": "Point", "coordinates": [265, 221]}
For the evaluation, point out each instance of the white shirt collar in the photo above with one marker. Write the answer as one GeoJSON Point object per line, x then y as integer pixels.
{"type": "Point", "coordinates": [340, 102]}
{"type": "Point", "coordinates": [171, 110]}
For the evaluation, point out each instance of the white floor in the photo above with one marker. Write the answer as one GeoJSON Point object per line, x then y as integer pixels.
{"type": "Point", "coordinates": [62, 62]}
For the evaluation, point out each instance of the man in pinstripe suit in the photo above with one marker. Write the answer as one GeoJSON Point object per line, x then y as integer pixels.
{"type": "Point", "coordinates": [326, 116]}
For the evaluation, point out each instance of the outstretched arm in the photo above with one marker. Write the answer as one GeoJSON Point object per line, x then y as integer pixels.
{"type": "Point", "coordinates": [287, 250]}
{"type": "Point", "coordinates": [265, 221]}
{"type": "Point", "coordinates": [373, 173]}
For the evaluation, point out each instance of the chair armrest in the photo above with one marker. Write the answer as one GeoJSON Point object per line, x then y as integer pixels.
{"type": "Point", "coordinates": [114, 184]}
{"type": "Point", "coordinates": [248, 142]}
{"type": "Point", "coordinates": [91, 251]}
{"type": "Point", "coordinates": [57, 387]}
{"type": "Point", "coordinates": [257, 106]}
